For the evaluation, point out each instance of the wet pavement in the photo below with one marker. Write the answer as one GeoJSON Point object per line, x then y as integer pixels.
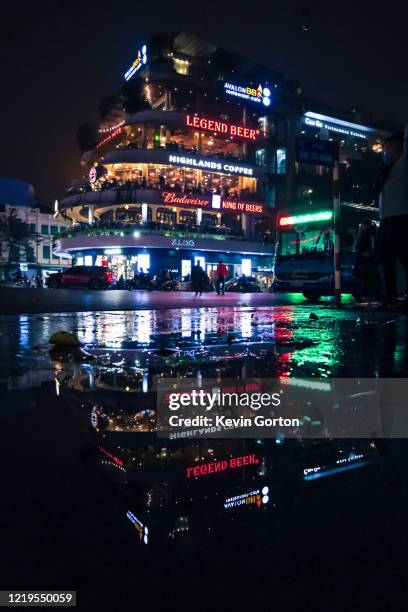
{"type": "Point", "coordinates": [76, 300]}
{"type": "Point", "coordinates": [80, 454]}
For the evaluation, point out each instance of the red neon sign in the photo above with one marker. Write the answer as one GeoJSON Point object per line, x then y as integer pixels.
{"type": "Point", "coordinates": [244, 207]}
{"type": "Point", "coordinates": [229, 129]}
{"type": "Point", "coordinates": [112, 457]}
{"type": "Point", "coordinates": [108, 138]}
{"type": "Point", "coordinates": [220, 466]}
{"type": "Point", "coordinates": [169, 197]}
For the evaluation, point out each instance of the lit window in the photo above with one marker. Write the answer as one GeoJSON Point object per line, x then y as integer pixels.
{"type": "Point", "coordinates": [181, 66]}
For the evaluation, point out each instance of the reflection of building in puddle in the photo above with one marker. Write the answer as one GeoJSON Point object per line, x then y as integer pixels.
{"type": "Point", "coordinates": [195, 486]}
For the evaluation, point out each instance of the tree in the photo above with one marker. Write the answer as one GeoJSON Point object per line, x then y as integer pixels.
{"type": "Point", "coordinates": [16, 233]}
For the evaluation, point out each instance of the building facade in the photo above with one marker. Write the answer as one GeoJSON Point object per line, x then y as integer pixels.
{"type": "Point", "coordinates": [17, 199]}
{"type": "Point", "coordinates": [193, 159]}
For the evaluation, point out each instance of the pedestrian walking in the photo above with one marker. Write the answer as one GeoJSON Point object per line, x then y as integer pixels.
{"type": "Point", "coordinates": [222, 272]}
{"type": "Point", "coordinates": [393, 201]}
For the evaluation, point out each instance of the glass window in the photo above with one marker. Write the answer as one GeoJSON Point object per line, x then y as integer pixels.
{"type": "Point", "coordinates": [181, 66]}
{"type": "Point", "coordinates": [30, 254]}
{"type": "Point", "coordinates": [54, 229]}
{"type": "Point", "coordinates": [46, 252]}
{"type": "Point", "coordinates": [32, 227]}
{"type": "Point", "coordinates": [44, 229]}
{"type": "Point", "coordinates": [280, 161]}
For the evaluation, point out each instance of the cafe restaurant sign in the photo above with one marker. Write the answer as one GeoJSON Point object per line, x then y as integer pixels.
{"type": "Point", "coordinates": [220, 127]}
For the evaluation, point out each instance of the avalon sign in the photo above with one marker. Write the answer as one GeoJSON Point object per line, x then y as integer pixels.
{"type": "Point", "coordinates": [179, 242]}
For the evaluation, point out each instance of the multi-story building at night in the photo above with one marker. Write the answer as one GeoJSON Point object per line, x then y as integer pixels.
{"type": "Point", "coordinates": [193, 158]}
{"type": "Point", "coordinates": [17, 199]}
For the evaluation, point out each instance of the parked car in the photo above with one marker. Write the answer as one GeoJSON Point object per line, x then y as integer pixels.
{"type": "Point", "coordinates": [92, 277]}
{"type": "Point", "coordinates": [244, 284]}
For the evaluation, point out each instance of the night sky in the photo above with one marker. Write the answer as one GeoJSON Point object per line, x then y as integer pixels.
{"type": "Point", "coordinates": [57, 62]}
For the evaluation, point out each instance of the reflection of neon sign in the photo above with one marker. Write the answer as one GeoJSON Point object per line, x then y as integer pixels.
{"type": "Point", "coordinates": [142, 530]}
{"type": "Point", "coordinates": [260, 94]}
{"type": "Point", "coordinates": [324, 215]}
{"type": "Point", "coordinates": [247, 499]}
{"type": "Point", "coordinates": [111, 457]}
{"type": "Point", "coordinates": [206, 164]}
{"type": "Point", "coordinates": [220, 127]}
{"type": "Point", "coordinates": [140, 60]}
{"type": "Point", "coordinates": [220, 466]}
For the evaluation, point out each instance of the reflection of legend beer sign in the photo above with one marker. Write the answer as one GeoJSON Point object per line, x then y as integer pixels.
{"type": "Point", "coordinates": [248, 499]}
{"type": "Point", "coordinates": [220, 466]}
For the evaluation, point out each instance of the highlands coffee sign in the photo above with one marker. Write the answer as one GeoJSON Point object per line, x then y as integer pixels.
{"type": "Point", "coordinates": [210, 165]}
{"type": "Point", "coordinates": [221, 128]}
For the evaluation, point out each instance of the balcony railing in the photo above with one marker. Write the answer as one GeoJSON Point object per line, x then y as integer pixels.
{"type": "Point", "coordinates": [177, 231]}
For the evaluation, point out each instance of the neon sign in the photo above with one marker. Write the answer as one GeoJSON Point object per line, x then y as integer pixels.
{"type": "Point", "coordinates": [139, 61]}
{"type": "Point", "coordinates": [260, 94]}
{"type": "Point", "coordinates": [212, 166]}
{"type": "Point", "coordinates": [93, 175]}
{"type": "Point", "coordinates": [220, 466]}
{"type": "Point", "coordinates": [245, 207]}
{"type": "Point", "coordinates": [229, 129]}
{"type": "Point", "coordinates": [336, 125]}
{"type": "Point", "coordinates": [215, 202]}
{"type": "Point", "coordinates": [112, 135]}
{"type": "Point", "coordinates": [179, 242]}
{"type": "Point", "coordinates": [246, 499]}
{"type": "Point", "coordinates": [169, 197]}
{"type": "Point", "coordinates": [324, 215]}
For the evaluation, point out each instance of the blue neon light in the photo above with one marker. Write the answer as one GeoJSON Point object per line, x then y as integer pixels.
{"type": "Point", "coordinates": [334, 470]}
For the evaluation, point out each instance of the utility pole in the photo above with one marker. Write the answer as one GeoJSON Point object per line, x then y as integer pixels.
{"type": "Point", "coordinates": [336, 224]}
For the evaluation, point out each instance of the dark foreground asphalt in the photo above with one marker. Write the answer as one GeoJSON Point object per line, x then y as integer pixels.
{"type": "Point", "coordinates": [32, 301]}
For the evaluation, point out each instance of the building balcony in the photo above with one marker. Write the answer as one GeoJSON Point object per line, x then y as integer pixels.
{"type": "Point", "coordinates": [134, 239]}
{"type": "Point", "coordinates": [129, 192]}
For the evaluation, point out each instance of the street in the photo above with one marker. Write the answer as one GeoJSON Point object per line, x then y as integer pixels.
{"type": "Point", "coordinates": [81, 300]}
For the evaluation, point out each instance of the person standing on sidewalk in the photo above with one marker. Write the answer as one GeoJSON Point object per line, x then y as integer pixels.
{"type": "Point", "coordinates": [222, 272]}
{"type": "Point", "coordinates": [393, 235]}
{"type": "Point", "coordinates": [197, 274]}
{"type": "Point", "coordinates": [365, 268]}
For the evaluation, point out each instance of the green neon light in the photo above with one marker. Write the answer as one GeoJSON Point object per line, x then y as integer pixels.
{"type": "Point", "coordinates": [323, 215]}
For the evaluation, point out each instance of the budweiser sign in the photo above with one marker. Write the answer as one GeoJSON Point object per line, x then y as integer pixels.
{"type": "Point", "coordinates": [170, 197]}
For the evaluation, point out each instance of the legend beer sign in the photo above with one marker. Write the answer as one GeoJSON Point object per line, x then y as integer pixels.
{"type": "Point", "coordinates": [220, 127]}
